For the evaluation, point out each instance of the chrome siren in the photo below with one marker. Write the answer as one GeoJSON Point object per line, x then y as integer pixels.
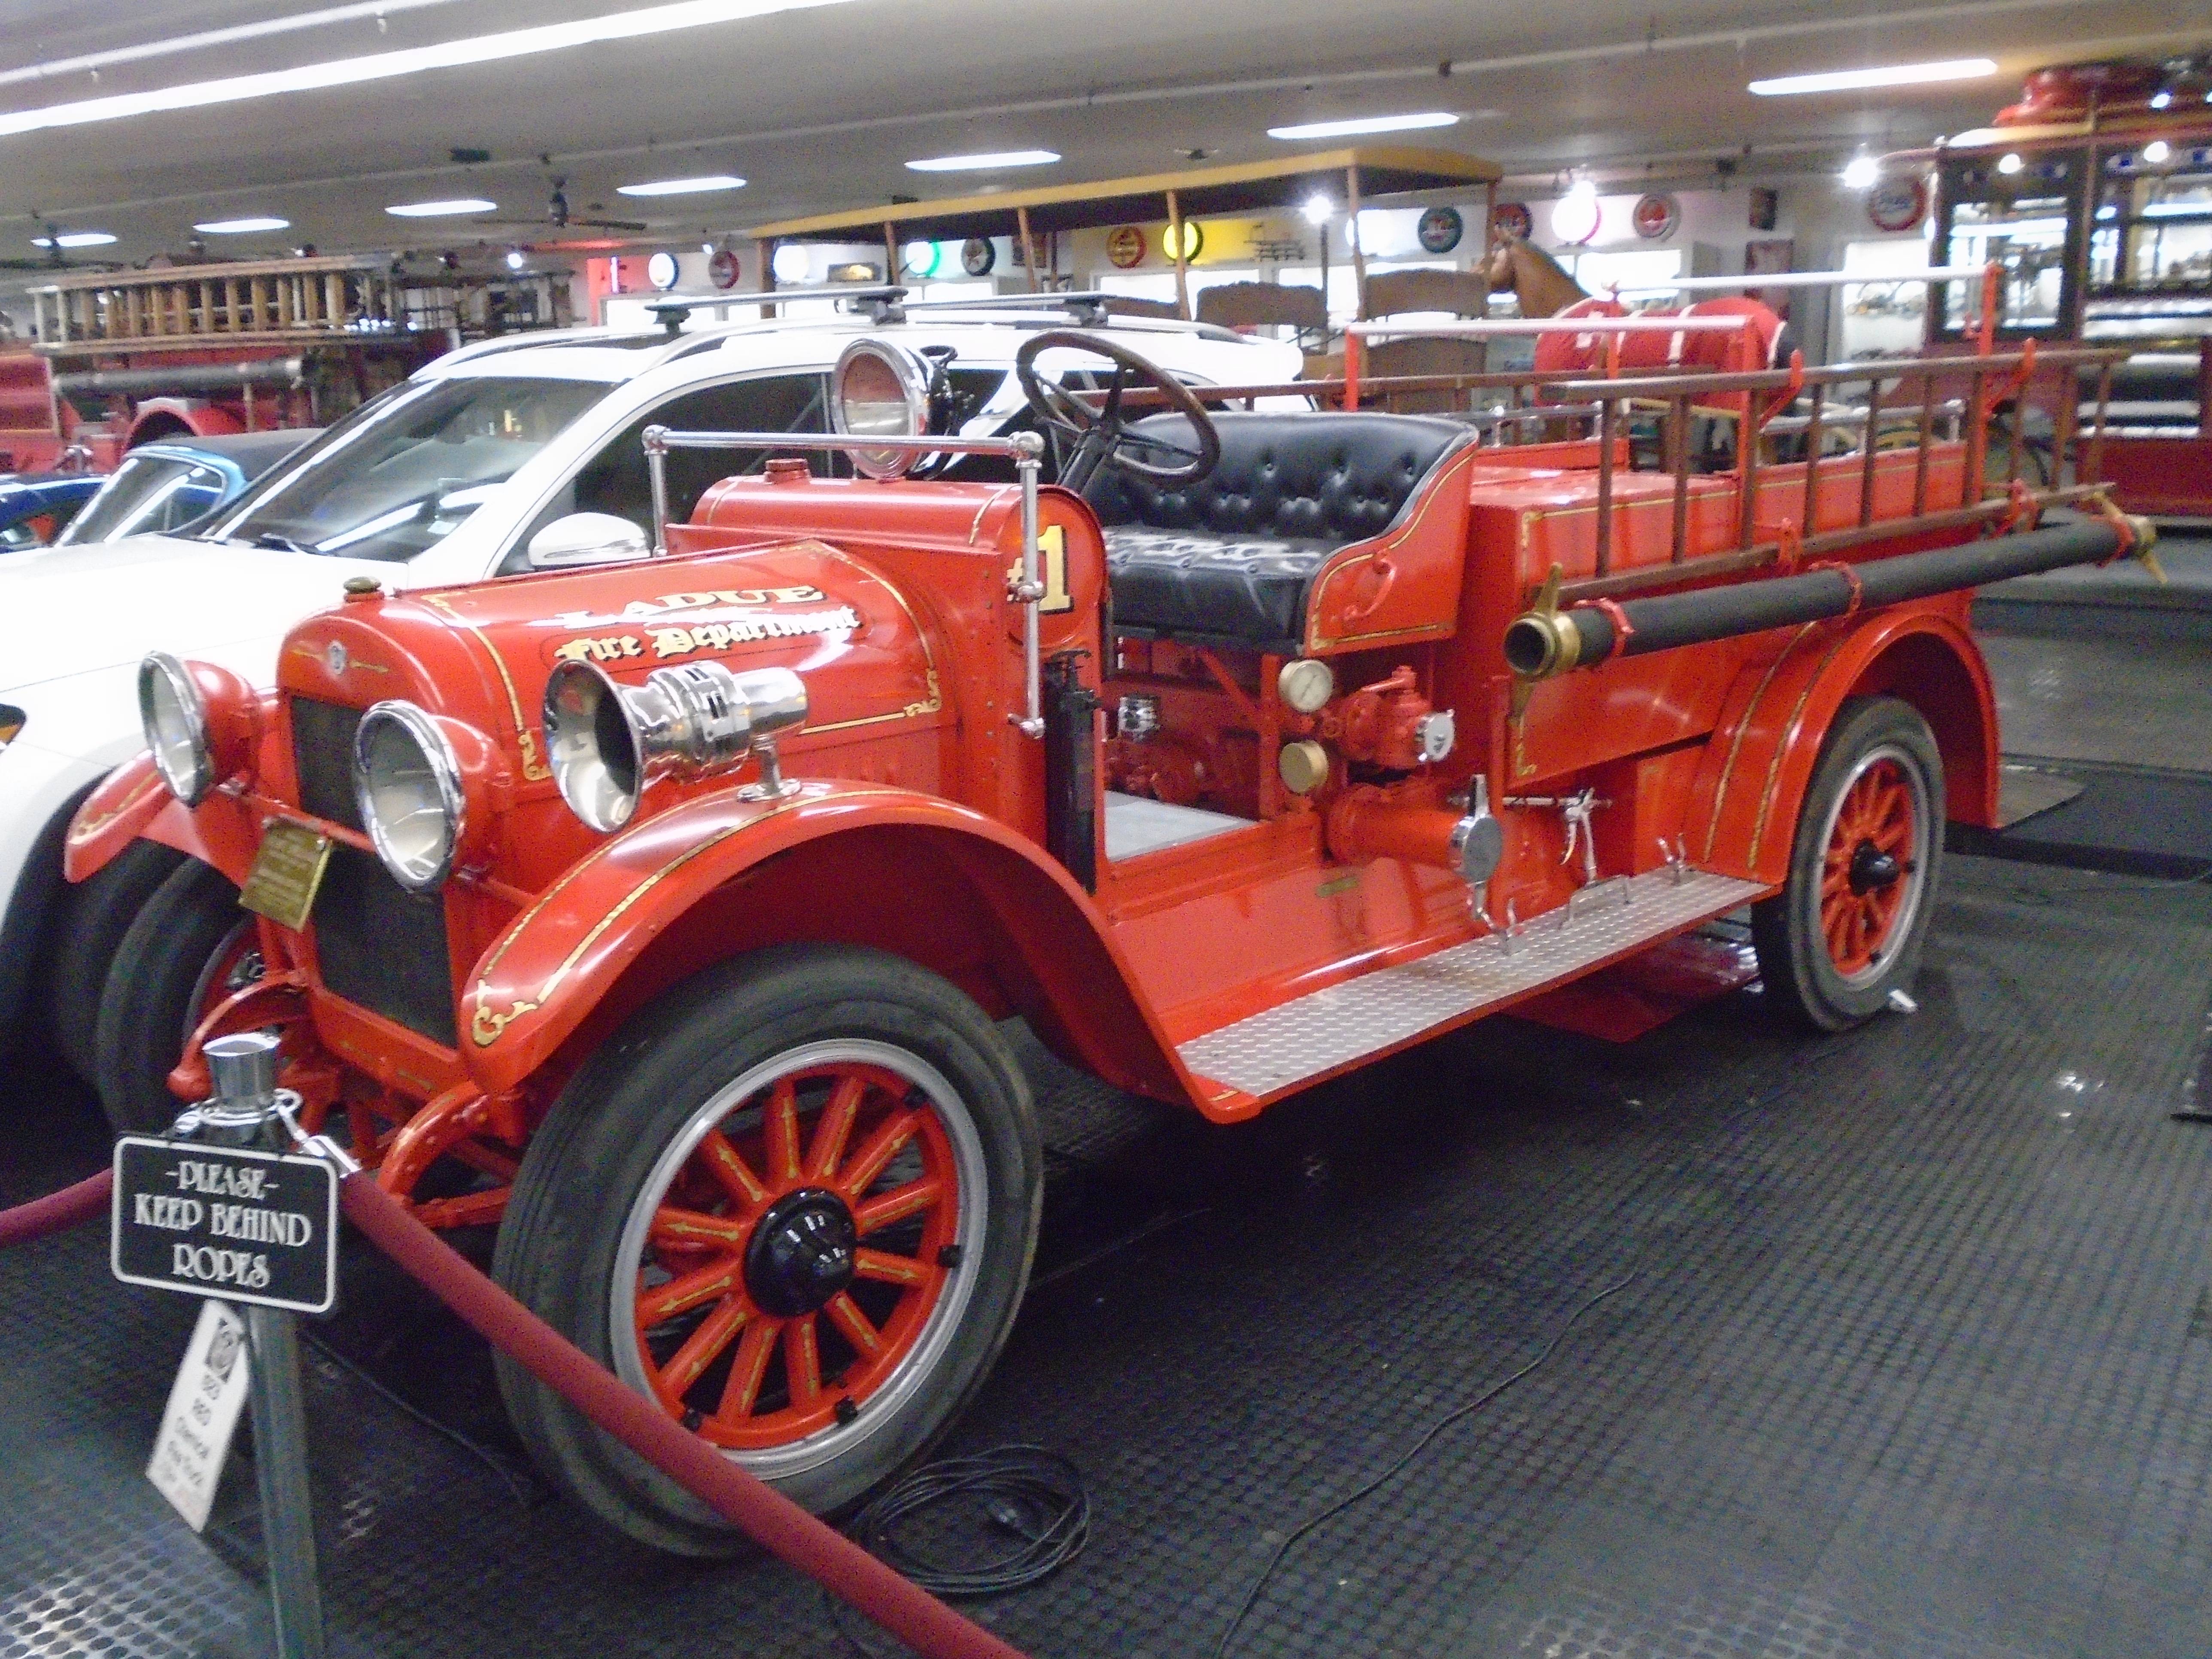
{"type": "Point", "coordinates": [609, 743]}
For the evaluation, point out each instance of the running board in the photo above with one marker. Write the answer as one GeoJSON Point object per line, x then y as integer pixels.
{"type": "Point", "coordinates": [1328, 1030]}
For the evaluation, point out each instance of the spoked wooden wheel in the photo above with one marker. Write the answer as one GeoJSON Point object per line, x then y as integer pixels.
{"type": "Point", "coordinates": [793, 1259]}
{"type": "Point", "coordinates": [1846, 930]}
{"type": "Point", "coordinates": [1875, 868]}
{"type": "Point", "coordinates": [793, 1202]}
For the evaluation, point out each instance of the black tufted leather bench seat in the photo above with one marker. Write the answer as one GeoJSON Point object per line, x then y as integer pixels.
{"type": "Point", "coordinates": [1231, 557]}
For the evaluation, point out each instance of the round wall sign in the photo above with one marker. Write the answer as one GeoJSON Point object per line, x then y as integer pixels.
{"type": "Point", "coordinates": [661, 270]}
{"type": "Point", "coordinates": [977, 256]}
{"type": "Point", "coordinates": [722, 268]}
{"type": "Point", "coordinates": [1194, 240]}
{"type": "Point", "coordinates": [1440, 229]}
{"type": "Point", "coordinates": [922, 258]}
{"type": "Point", "coordinates": [1655, 216]}
{"type": "Point", "coordinates": [1125, 246]}
{"type": "Point", "coordinates": [1514, 220]}
{"type": "Point", "coordinates": [1897, 204]}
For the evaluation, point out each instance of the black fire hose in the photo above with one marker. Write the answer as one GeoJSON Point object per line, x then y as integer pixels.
{"type": "Point", "coordinates": [1542, 643]}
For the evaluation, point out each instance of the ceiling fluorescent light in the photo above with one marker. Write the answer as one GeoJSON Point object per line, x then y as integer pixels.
{"type": "Point", "coordinates": [74, 239]}
{"type": "Point", "coordinates": [682, 187]}
{"type": "Point", "coordinates": [442, 209]}
{"type": "Point", "coordinates": [240, 226]}
{"type": "Point", "coordinates": [390, 65]}
{"type": "Point", "coordinates": [1365, 124]}
{"type": "Point", "coordinates": [1898, 75]}
{"type": "Point", "coordinates": [1004, 158]}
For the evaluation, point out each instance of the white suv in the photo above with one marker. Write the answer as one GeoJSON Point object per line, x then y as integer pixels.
{"type": "Point", "coordinates": [452, 477]}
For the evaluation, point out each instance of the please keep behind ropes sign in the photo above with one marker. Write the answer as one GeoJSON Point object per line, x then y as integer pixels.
{"type": "Point", "coordinates": [224, 1221]}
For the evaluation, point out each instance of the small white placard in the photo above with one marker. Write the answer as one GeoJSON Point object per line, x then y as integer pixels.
{"type": "Point", "coordinates": [203, 1405]}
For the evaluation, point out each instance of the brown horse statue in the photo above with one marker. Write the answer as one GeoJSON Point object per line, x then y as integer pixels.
{"type": "Point", "coordinates": [1539, 283]}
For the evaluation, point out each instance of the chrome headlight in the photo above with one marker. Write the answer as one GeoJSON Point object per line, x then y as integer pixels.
{"type": "Point", "coordinates": [408, 782]}
{"type": "Point", "coordinates": [607, 744]}
{"type": "Point", "coordinates": [880, 389]}
{"type": "Point", "coordinates": [173, 716]}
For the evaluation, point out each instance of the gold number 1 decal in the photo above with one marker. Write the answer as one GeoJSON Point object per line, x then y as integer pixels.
{"type": "Point", "coordinates": [1052, 550]}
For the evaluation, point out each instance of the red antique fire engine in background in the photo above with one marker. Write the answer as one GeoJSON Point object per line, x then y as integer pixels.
{"type": "Point", "coordinates": [660, 913]}
{"type": "Point", "coordinates": [2093, 195]}
{"type": "Point", "coordinates": [119, 358]}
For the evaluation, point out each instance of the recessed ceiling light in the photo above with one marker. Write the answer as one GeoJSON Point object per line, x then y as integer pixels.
{"type": "Point", "coordinates": [1365, 124]}
{"type": "Point", "coordinates": [2155, 152]}
{"type": "Point", "coordinates": [388, 65]}
{"type": "Point", "coordinates": [1317, 208]}
{"type": "Point", "coordinates": [1861, 173]}
{"type": "Point", "coordinates": [1897, 75]}
{"type": "Point", "coordinates": [240, 226]}
{"type": "Point", "coordinates": [1004, 158]}
{"type": "Point", "coordinates": [74, 239]}
{"type": "Point", "coordinates": [2009, 162]}
{"type": "Point", "coordinates": [442, 209]}
{"type": "Point", "coordinates": [682, 187]}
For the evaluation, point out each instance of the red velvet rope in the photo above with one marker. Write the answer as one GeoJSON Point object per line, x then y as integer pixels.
{"type": "Point", "coordinates": [823, 1554]}
{"type": "Point", "coordinates": [70, 1207]}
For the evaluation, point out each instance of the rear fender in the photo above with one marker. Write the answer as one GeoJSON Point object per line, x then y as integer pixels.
{"type": "Point", "coordinates": [842, 863]}
{"type": "Point", "coordinates": [1743, 809]}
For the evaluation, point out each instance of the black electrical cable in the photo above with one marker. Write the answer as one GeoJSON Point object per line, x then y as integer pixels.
{"type": "Point", "coordinates": [526, 1492]}
{"type": "Point", "coordinates": [1027, 1492]}
{"type": "Point", "coordinates": [1252, 1596]}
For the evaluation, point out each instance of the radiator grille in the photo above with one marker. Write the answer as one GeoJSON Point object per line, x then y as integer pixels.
{"type": "Point", "coordinates": [383, 947]}
{"type": "Point", "coordinates": [322, 753]}
{"type": "Point", "coordinates": [377, 944]}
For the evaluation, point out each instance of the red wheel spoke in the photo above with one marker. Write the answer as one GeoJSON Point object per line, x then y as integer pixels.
{"type": "Point", "coordinates": [802, 1362]}
{"type": "Point", "coordinates": [835, 1128]}
{"type": "Point", "coordinates": [890, 1269]}
{"type": "Point", "coordinates": [700, 1348]}
{"type": "Point", "coordinates": [718, 1277]}
{"type": "Point", "coordinates": [845, 1313]}
{"type": "Point", "coordinates": [747, 1367]}
{"type": "Point", "coordinates": [875, 1152]}
{"type": "Point", "coordinates": [693, 1228]}
{"type": "Point", "coordinates": [780, 1121]}
{"type": "Point", "coordinates": [727, 1166]}
{"type": "Point", "coordinates": [896, 1206]}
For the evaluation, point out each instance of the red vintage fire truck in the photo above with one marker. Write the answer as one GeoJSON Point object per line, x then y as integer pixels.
{"type": "Point", "coordinates": [121, 358]}
{"type": "Point", "coordinates": [662, 913]}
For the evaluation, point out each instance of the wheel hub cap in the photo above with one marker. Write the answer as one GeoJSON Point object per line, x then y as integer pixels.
{"type": "Point", "coordinates": [1872, 868]}
{"type": "Point", "coordinates": [801, 1254]}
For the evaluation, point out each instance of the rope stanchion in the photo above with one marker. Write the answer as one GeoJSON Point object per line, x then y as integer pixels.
{"type": "Point", "coordinates": [72, 1206]}
{"type": "Point", "coordinates": [773, 1520]}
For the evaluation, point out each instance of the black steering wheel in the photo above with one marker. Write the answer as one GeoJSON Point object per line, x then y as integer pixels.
{"type": "Point", "coordinates": [1102, 435]}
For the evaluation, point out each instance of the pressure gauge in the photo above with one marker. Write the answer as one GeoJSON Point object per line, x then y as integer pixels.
{"type": "Point", "coordinates": [1305, 685]}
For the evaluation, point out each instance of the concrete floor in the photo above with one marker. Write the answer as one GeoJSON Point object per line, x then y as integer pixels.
{"type": "Point", "coordinates": [2143, 702]}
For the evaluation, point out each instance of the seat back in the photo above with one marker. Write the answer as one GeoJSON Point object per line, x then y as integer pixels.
{"type": "Point", "coordinates": [1323, 478]}
{"type": "Point", "coordinates": [1245, 305]}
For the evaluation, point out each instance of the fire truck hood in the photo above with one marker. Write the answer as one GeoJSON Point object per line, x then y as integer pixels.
{"type": "Point", "coordinates": [76, 610]}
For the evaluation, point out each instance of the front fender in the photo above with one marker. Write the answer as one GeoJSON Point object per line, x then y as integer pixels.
{"type": "Point", "coordinates": [1743, 809]}
{"type": "Point", "coordinates": [132, 803]}
{"type": "Point", "coordinates": [614, 922]}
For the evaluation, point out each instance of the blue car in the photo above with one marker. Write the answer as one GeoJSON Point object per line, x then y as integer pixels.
{"type": "Point", "coordinates": [163, 486]}
{"type": "Point", "coordinates": [34, 505]}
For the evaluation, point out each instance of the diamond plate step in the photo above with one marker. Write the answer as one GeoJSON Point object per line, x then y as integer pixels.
{"type": "Point", "coordinates": [1327, 1028]}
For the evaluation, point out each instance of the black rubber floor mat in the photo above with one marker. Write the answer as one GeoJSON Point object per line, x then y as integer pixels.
{"type": "Point", "coordinates": [1911, 1364]}
{"type": "Point", "coordinates": [2129, 819]}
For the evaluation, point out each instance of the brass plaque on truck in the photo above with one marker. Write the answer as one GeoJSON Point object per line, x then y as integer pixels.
{"type": "Point", "coordinates": [287, 872]}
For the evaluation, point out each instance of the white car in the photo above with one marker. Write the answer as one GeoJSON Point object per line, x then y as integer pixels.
{"type": "Point", "coordinates": [461, 473]}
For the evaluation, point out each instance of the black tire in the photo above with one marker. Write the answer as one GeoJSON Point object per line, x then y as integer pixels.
{"type": "Point", "coordinates": [1885, 742]}
{"type": "Point", "coordinates": [154, 994]}
{"type": "Point", "coordinates": [575, 1245]}
{"type": "Point", "coordinates": [88, 929]}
